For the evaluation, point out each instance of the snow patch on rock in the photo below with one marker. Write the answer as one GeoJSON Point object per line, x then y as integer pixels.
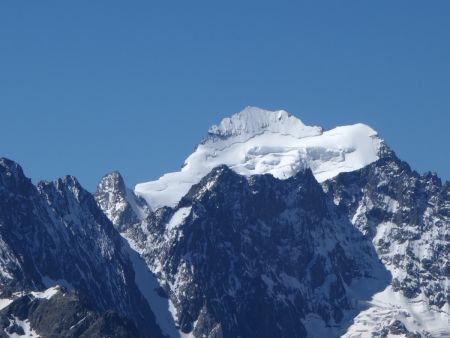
{"type": "Point", "coordinates": [24, 325]}
{"type": "Point", "coordinates": [47, 294]}
{"type": "Point", "coordinates": [4, 302]}
{"type": "Point", "coordinates": [389, 306]}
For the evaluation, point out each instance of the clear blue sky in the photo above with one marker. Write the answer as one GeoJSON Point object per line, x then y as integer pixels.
{"type": "Point", "coordinates": [87, 87]}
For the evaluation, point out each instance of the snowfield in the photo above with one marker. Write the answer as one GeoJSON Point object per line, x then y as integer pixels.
{"type": "Point", "coordinates": [257, 141]}
{"type": "Point", "coordinates": [388, 306]}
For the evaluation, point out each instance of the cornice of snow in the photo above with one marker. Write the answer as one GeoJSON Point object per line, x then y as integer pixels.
{"type": "Point", "coordinates": [256, 141]}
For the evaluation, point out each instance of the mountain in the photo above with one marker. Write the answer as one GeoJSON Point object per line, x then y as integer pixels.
{"type": "Point", "coordinates": [407, 218]}
{"type": "Point", "coordinates": [55, 234]}
{"type": "Point", "coordinates": [275, 228]}
{"type": "Point", "coordinates": [258, 257]}
{"type": "Point", "coordinates": [59, 313]}
{"type": "Point", "coordinates": [256, 141]}
{"type": "Point", "coordinates": [119, 203]}
{"type": "Point", "coordinates": [271, 228]}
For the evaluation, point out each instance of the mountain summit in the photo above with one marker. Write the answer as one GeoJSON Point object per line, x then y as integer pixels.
{"type": "Point", "coordinates": [271, 229]}
{"type": "Point", "coordinates": [253, 121]}
{"type": "Point", "coordinates": [256, 141]}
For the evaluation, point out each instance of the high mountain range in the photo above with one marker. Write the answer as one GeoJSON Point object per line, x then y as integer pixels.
{"type": "Point", "coordinates": [270, 229]}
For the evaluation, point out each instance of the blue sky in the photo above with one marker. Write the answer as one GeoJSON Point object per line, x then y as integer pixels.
{"type": "Point", "coordinates": [87, 87]}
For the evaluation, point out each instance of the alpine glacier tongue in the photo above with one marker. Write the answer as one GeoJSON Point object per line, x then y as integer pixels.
{"type": "Point", "coordinates": [256, 141]}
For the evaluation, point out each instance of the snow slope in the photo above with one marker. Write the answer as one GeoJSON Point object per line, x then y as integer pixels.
{"type": "Point", "coordinates": [415, 314]}
{"type": "Point", "coordinates": [28, 332]}
{"type": "Point", "coordinates": [256, 141]}
{"type": "Point", "coordinates": [149, 286]}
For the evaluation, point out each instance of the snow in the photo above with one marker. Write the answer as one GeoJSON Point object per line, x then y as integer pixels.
{"type": "Point", "coordinates": [177, 219]}
{"type": "Point", "coordinates": [388, 306]}
{"type": "Point", "coordinates": [257, 141]}
{"type": "Point", "coordinates": [50, 283]}
{"type": "Point", "coordinates": [25, 325]}
{"type": "Point", "coordinates": [114, 198]}
{"type": "Point", "coordinates": [181, 334]}
{"type": "Point", "coordinates": [148, 285]}
{"type": "Point", "coordinates": [252, 120]}
{"type": "Point", "coordinates": [47, 294]}
{"type": "Point", "coordinates": [4, 302]}
{"type": "Point", "coordinates": [139, 211]}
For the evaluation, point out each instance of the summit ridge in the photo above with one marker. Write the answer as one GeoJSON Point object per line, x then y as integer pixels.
{"type": "Point", "coordinates": [257, 141]}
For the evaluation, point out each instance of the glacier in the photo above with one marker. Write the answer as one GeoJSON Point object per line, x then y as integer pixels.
{"type": "Point", "coordinates": [256, 141]}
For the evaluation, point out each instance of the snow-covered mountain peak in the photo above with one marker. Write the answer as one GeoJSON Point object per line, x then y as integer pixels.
{"type": "Point", "coordinates": [118, 202]}
{"type": "Point", "coordinates": [112, 182]}
{"type": "Point", "coordinates": [253, 121]}
{"type": "Point", "coordinates": [256, 141]}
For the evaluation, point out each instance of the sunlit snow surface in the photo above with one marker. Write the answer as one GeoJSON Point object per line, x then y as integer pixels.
{"type": "Point", "coordinates": [416, 314]}
{"type": "Point", "coordinates": [28, 332]}
{"type": "Point", "coordinates": [25, 324]}
{"type": "Point", "coordinates": [257, 141]}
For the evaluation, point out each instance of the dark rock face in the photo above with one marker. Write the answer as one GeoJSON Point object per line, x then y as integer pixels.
{"type": "Point", "coordinates": [237, 257]}
{"type": "Point", "coordinates": [256, 257]}
{"type": "Point", "coordinates": [65, 314]}
{"type": "Point", "coordinates": [244, 256]}
{"type": "Point", "coordinates": [55, 233]}
{"type": "Point", "coordinates": [407, 216]}
{"type": "Point", "coordinates": [397, 328]}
